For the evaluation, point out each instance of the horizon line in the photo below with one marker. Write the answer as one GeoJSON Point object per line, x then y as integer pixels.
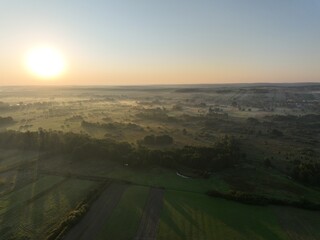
{"type": "Point", "coordinates": [169, 84]}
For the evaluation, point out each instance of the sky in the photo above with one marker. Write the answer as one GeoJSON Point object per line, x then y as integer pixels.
{"type": "Point", "coordinates": [134, 42]}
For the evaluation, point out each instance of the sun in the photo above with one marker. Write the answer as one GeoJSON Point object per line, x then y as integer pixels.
{"type": "Point", "coordinates": [45, 62]}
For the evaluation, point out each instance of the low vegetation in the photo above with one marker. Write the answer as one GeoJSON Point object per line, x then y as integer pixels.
{"type": "Point", "coordinates": [213, 162]}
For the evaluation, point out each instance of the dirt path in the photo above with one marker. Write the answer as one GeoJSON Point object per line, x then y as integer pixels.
{"type": "Point", "coordinates": [89, 227]}
{"type": "Point", "coordinates": [150, 219]}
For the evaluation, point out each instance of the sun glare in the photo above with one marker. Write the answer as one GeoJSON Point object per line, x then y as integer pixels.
{"type": "Point", "coordinates": [45, 62]}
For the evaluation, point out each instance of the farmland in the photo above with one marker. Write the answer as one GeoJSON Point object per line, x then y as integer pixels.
{"type": "Point", "coordinates": [29, 211]}
{"type": "Point", "coordinates": [181, 214]}
{"type": "Point", "coordinates": [125, 218]}
{"type": "Point", "coordinates": [192, 216]}
{"type": "Point", "coordinates": [139, 162]}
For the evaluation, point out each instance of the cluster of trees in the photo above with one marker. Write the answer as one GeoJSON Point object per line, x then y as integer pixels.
{"type": "Point", "coordinates": [42, 140]}
{"type": "Point", "coordinates": [254, 199]}
{"type": "Point", "coordinates": [74, 118]}
{"type": "Point", "coordinates": [157, 140]}
{"type": "Point", "coordinates": [253, 121]}
{"type": "Point", "coordinates": [224, 153]}
{"type": "Point", "coordinates": [276, 133]}
{"type": "Point", "coordinates": [4, 121]}
{"type": "Point", "coordinates": [112, 126]}
{"type": "Point", "coordinates": [307, 172]}
{"type": "Point", "coordinates": [156, 114]}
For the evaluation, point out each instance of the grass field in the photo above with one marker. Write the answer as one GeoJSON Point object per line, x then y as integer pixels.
{"type": "Point", "coordinates": [195, 216]}
{"type": "Point", "coordinates": [257, 180]}
{"type": "Point", "coordinates": [160, 177]}
{"type": "Point", "coordinates": [187, 213]}
{"type": "Point", "coordinates": [298, 223]}
{"type": "Point", "coordinates": [153, 177]}
{"type": "Point", "coordinates": [12, 158]}
{"type": "Point", "coordinates": [38, 216]}
{"type": "Point", "coordinates": [269, 183]}
{"type": "Point", "coordinates": [125, 218]}
{"type": "Point", "coordinates": [24, 194]}
{"type": "Point", "coordinates": [47, 210]}
{"type": "Point", "coordinates": [91, 225]}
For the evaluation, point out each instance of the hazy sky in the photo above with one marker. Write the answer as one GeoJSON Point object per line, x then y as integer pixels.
{"type": "Point", "coordinates": [164, 41]}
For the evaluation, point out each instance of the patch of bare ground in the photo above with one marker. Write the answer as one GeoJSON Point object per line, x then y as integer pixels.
{"type": "Point", "coordinates": [151, 214]}
{"type": "Point", "coordinates": [299, 224]}
{"type": "Point", "coordinates": [90, 225]}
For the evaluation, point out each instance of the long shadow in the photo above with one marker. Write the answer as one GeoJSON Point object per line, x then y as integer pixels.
{"type": "Point", "coordinates": [247, 221]}
{"type": "Point", "coordinates": [13, 216]}
{"type": "Point", "coordinates": [182, 209]}
{"type": "Point", "coordinates": [168, 220]}
{"type": "Point", "coordinates": [16, 219]}
{"type": "Point", "coordinates": [151, 215]}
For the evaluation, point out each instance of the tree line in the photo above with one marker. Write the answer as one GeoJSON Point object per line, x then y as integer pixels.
{"type": "Point", "coordinates": [224, 153]}
{"type": "Point", "coordinates": [4, 121]}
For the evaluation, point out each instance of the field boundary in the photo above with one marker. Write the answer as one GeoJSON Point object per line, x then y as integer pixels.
{"type": "Point", "coordinates": [45, 192]}
{"type": "Point", "coordinates": [151, 215]}
{"type": "Point", "coordinates": [76, 214]}
{"type": "Point", "coordinates": [304, 204]}
{"type": "Point", "coordinates": [21, 186]}
{"type": "Point", "coordinates": [99, 212]}
{"type": "Point", "coordinates": [78, 176]}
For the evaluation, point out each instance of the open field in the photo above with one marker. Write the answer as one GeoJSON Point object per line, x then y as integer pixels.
{"type": "Point", "coordinates": [255, 180]}
{"type": "Point", "coordinates": [193, 216]}
{"type": "Point", "coordinates": [36, 216]}
{"type": "Point", "coordinates": [42, 214]}
{"type": "Point", "coordinates": [27, 193]}
{"type": "Point", "coordinates": [100, 212]}
{"type": "Point", "coordinates": [158, 151]}
{"type": "Point", "coordinates": [185, 214]}
{"type": "Point", "coordinates": [125, 218]}
{"type": "Point", "coordinates": [10, 159]}
{"type": "Point", "coordinates": [299, 224]}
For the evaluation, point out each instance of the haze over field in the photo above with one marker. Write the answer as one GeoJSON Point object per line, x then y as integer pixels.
{"type": "Point", "coordinates": [160, 42]}
{"type": "Point", "coordinates": [160, 120]}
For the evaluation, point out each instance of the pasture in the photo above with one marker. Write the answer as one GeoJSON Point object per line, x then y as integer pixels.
{"type": "Point", "coordinates": [124, 221]}
{"type": "Point", "coordinates": [194, 216]}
